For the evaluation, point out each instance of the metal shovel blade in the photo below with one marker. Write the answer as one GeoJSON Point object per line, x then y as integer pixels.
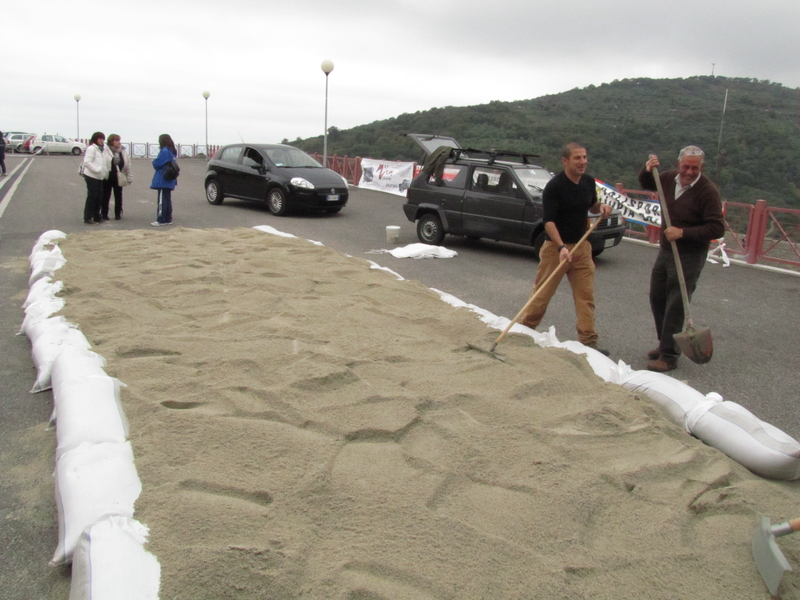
{"type": "Point", "coordinates": [696, 344]}
{"type": "Point", "coordinates": [771, 562]}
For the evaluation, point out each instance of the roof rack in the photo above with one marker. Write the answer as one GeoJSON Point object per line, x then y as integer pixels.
{"type": "Point", "coordinates": [495, 154]}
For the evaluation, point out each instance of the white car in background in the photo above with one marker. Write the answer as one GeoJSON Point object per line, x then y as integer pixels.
{"type": "Point", "coordinates": [15, 140]}
{"type": "Point", "coordinates": [52, 144]}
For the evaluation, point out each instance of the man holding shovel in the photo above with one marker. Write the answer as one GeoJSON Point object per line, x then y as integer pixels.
{"type": "Point", "coordinates": [566, 199]}
{"type": "Point", "coordinates": [695, 214]}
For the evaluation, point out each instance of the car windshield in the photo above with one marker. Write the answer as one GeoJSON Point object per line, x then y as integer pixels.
{"type": "Point", "coordinates": [533, 178]}
{"type": "Point", "coordinates": [291, 158]}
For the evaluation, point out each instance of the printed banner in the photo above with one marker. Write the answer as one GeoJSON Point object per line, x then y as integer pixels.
{"type": "Point", "coordinates": [386, 176]}
{"type": "Point", "coordinates": [646, 212]}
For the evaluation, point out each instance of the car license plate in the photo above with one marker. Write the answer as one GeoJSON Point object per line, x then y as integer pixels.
{"type": "Point", "coordinates": [609, 243]}
{"type": "Point", "coordinates": [332, 197]}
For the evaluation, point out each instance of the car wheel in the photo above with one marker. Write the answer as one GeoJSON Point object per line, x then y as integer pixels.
{"type": "Point", "coordinates": [76, 151]}
{"type": "Point", "coordinates": [430, 230]}
{"type": "Point", "coordinates": [333, 211]}
{"type": "Point", "coordinates": [537, 244]}
{"type": "Point", "coordinates": [596, 253]}
{"type": "Point", "coordinates": [37, 149]}
{"type": "Point", "coordinates": [276, 200]}
{"type": "Point", "coordinates": [214, 193]}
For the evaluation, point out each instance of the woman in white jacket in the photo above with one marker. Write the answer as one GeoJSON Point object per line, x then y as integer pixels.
{"type": "Point", "coordinates": [120, 174]}
{"type": "Point", "coordinates": [96, 167]}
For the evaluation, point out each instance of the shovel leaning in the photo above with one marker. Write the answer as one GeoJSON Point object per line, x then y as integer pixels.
{"type": "Point", "coordinates": [697, 344]}
{"type": "Point", "coordinates": [771, 562]}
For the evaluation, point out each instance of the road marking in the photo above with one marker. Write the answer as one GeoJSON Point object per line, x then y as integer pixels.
{"type": "Point", "coordinates": [6, 200]}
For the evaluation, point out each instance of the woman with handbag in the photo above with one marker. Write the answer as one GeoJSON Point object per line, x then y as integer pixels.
{"type": "Point", "coordinates": [95, 169]}
{"type": "Point", "coordinates": [162, 182]}
{"type": "Point", "coordinates": [119, 176]}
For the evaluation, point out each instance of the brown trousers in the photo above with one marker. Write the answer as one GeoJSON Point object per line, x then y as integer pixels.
{"type": "Point", "coordinates": [580, 273]}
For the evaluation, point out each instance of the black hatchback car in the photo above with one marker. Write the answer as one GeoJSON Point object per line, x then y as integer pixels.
{"type": "Point", "coordinates": [284, 177]}
{"type": "Point", "coordinates": [486, 194]}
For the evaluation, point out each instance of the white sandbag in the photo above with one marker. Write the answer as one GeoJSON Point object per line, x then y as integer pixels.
{"type": "Point", "coordinates": [39, 328]}
{"type": "Point", "coordinates": [92, 481]}
{"type": "Point", "coordinates": [46, 239]}
{"type": "Point", "coordinates": [39, 311]}
{"type": "Point", "coordinates": [44, 263]}
{"type": "Point", "coordinates": [89, 411]}
{"type": "Point", "coordinates": [421, 251]}
{"type": "Point", "coordinates": [48, 346]}
{"type": "Point", "coordinates": [73, 365]}
{"type": "Point", "coordinates": [44, 288]}
{"type": "Point", "coordinates": [763, 448]}
{"type": "Point", "coordinates": [110, 563]}
{"type": "Point", "coordinates": [674, 397]}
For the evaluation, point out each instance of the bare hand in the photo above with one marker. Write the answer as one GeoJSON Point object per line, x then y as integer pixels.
{"type": "Point", "coordinates": [673, 233]}
{"type": "Point", "coordinates": [652, 161]}
{"type": "Point", "coordinates": [605, 211]}
{"type": "Point", "coordinates": [564, 254]}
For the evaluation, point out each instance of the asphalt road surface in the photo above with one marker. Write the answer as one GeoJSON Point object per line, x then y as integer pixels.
{"type": "Point", "coordinates": [752, 313]}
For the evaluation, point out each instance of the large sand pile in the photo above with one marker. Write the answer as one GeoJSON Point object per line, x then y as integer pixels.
{"type": "Point", "coordinates": [307, 427]}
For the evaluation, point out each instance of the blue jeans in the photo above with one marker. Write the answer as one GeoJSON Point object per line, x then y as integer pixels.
{"type": "Point", "coordinates": [164, 214]}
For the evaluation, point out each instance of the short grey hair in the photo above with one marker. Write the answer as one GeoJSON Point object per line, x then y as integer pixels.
{"type": "Point", "coordinates": [692, 151]}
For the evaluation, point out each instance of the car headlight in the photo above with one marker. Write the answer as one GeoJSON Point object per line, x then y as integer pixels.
{"type": "Point", "coordinates": [302, 183]}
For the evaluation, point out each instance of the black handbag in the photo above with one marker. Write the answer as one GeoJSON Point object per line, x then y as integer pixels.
{"type": "Point", "coordinates": [171, 170]}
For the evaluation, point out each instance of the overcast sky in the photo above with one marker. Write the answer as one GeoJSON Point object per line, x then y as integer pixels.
{"type": "Point", "coordinates": [141, 66]}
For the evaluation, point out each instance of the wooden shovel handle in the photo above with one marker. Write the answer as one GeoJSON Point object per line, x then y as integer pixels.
{"type": "Point", "coordinates": [546, 281]}
{"type": "Point", "coordinates": [674, 246]}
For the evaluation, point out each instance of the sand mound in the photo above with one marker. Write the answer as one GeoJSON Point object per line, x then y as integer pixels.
{"type": "Point", "coordinates": [307, 427]}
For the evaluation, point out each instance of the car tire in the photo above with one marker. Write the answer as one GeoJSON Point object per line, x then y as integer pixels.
{"type": "Point", "coordinates": [37, 149]}
{"type": "Point", "coordinates": [76, 151]}
{"type": "Point", "coordinates": [276, 201]}
{"type": "Point", "coordinates": [214, 193]}
{"type": "Point", "coordinates": [596, 253]}
{"type": "Point", "coordinates": [333, 211]}
{"type": "Point", "coordinates": [430, 229]}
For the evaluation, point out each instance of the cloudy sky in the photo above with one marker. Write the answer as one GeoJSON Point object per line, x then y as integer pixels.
{"type": "Point", "coordinates": [141, 66]}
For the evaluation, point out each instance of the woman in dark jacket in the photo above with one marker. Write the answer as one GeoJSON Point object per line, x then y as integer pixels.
{"type": "Point", "coordinates": [164, 186]}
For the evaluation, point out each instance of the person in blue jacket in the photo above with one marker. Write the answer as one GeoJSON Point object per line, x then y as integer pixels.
{"type": "Point", "coordinates": [163, 186]}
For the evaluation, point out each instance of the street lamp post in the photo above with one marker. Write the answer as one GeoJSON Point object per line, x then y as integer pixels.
{"type": "Point", "coordinates": [206, 94]}
{"type": "Point", "coordinates": [327, 67]}
{"type": "Point", "coordinates": [78, 109]}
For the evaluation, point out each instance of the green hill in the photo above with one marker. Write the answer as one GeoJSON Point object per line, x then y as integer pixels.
{"type": "Point", "coordinates": [620, 123]}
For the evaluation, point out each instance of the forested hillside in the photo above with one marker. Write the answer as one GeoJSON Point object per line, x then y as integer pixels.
{"type": "Point", "coordinates": [620, 123]}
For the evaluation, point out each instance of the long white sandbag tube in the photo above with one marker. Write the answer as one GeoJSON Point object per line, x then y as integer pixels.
{"type": "Point", "coordinates": [96, 480]}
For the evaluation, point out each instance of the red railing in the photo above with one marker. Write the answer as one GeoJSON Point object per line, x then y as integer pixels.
{"type": "Point", "coordinates": [347, 167]}
{"type": "Point", "coordinates": [755, 231]}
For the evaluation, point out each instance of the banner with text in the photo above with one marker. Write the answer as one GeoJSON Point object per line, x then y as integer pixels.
{"type": "Point", "coordinates": [645, 212]}
{"type": "Point", "coordinates": [386, 175]}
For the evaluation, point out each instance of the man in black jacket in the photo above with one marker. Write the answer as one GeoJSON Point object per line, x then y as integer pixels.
{"type": "Point", "coordinates": [695, 212]}
{"type": "Point", "coordinates": [566, 199]}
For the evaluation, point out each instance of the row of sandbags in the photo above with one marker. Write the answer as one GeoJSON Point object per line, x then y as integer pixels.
{"type": "Point", "coordinates": [96, 481]}
{"type": "Point", "coordinates": [727, 426]}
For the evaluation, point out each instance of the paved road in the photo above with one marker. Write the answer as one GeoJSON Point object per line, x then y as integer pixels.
{"type": "Point", "coordinates": [753, 315]}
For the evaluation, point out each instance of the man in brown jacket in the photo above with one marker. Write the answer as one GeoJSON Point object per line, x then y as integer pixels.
{"type": "Point", "coordinates": [695, 212]}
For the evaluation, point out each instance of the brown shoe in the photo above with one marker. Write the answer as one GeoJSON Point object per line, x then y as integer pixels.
{"type": "Point", "coordinates": [654, 354]}
{"type": "Point", "coordinates": [661, 365]}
